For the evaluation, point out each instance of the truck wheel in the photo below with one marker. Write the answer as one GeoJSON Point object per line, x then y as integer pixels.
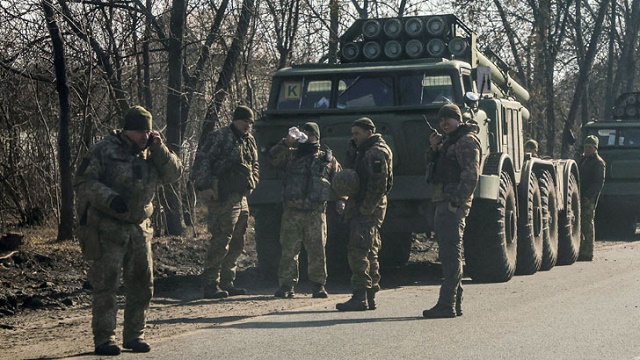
{"type": "Point", "coordinates": [267, 223]}
{"type": "Point", "coordinates": [569, 225]}
{"type": "Point", "coordinates": [530, 239]}
{"type": "Point", "coordinates": [396, 248]}
{"type": "Point", "coordinates": [490, 238]}
{"type": "Point", "coordinates": [549, 221]}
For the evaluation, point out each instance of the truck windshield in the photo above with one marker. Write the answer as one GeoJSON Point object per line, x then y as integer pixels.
{"type": "Point", "coordinates": [365, 90]}
{"type": "Point", "coordinates": [621, 137]}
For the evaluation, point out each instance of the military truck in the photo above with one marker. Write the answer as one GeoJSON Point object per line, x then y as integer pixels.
{"type": "Point", "coordinates": [399, 72]}
{"type": "Point", "coordinates": [618, 212]}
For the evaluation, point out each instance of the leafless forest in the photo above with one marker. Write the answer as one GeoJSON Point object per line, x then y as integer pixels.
{"type": "Point", "coordinates": [70, 68]}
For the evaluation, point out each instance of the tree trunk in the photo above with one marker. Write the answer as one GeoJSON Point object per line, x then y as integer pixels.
{"type": "Point", "coordinates": [228, 68]}
{"type": "Point", "coordinates": [175, 224]}
{"type": "Point", "coordinates": [65, 225]}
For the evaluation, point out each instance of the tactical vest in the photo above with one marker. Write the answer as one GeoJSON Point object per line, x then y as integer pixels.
{"type": "Point", "coordinates": [307, 184]}
{"type": "Point", "coordinates": [447, 170]}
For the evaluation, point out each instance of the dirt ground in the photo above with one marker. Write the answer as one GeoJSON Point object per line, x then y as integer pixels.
{"type": "Point", "coordinates": [45, 300]}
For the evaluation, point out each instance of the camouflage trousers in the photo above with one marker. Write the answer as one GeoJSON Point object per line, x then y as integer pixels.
{"type": "Point", "coordinates": [363, 248]}
{"type": "Point", "coordinates": [126, 257]}
{"type": "Point", "coordinates": [587, 214]}
{"type": "Point", "coordinates": [227, 224]}
{"type": "Point", "coordinates": [449, 228]}
{"type": "Point", "coordinates": [308, 228]}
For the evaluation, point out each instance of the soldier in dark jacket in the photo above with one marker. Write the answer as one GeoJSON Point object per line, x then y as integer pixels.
{"type": "Point", "coordinates": [592, 171]}
{"type": "Point", "coordinates": [371, 158]}
{"type": "Point", "coordinates": [225, 171]}
{"type": "Point", "coordinates": [115, 185]}
{"type": "Point", "coordinates": [457, 168]}
{"type": "Point", "coordinates": [308, 171]}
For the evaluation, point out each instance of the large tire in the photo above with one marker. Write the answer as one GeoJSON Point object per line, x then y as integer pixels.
{"type": "Point", "coordinates": [396, 248]}
{"type": "Point", "coordinates": [569, 225]}
{"type": "Point", "coordinates": [336, 248]}
{"type": "Point", "coordinates": [549, 221]}
{"type": "Point", "coordinates": [267, 224]}
{"type": "Point", "coordinates": [490, 238]}
{"type": "Point", "coordinates": [530, 239]}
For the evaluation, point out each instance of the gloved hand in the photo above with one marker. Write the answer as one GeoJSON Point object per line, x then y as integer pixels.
{"type": "Point", "coordinates": [119, 205]}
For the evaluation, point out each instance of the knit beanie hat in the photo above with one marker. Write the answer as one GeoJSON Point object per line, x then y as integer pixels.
{"type": "Point", "coordinates": [592, 140]}
{"type": "Point", "coordinates": [365, 123]}
{"type": "Point", "coordinates": [450, 111]}
{"type": "Point", "coordinates": [242, 113]}
{"type": "Point", "coordinates": [137, 118]}
{"type": "Point", "coordinates": [312, 128]}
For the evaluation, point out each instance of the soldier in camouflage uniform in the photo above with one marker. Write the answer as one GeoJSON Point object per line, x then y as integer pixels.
{"type": "Point", "coordinates": [457, 168]}
{"type": "Point", "coordinates": [370, 156]}
{"type": "Point", "coordinates": [225, 171]}
{"type": "Point", "coordinates": [592, 172]}
{"type": "Point", "coordinates": [308, 171]}
{"type": "Point", "coordinates": [114, 185]}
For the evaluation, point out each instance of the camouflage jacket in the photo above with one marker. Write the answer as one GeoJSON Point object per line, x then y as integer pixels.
{"type": "Point", "coordinates": [457, 167]}
{"type": "Point", "coordinates": [374, 165]}
{"type": "Point", "coordinates": [307, 175]}
{"type": "Point", "coordinates": [228, 158]}
{"type": "Point", "coordinates": [592, 172]}
{"type": "Point", "coordinates": [113, 167]}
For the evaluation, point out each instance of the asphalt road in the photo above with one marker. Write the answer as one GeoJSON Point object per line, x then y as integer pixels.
{"type": "Point", "coordinates": [582, 311]}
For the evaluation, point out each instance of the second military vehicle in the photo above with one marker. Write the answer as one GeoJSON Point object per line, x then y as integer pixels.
{"type": "Point", "coordinates": [399, 72]}
{"type": "Point", "coordinates": [618, 212]}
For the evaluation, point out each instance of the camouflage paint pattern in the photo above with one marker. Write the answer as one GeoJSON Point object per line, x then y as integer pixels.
{"type": "Point", "coordinates": [592, 175]}
{"type": "Point", "coordinates": [457, 169]}
{"type": "Point", "coordinates": [308, 228]}
{"type": "Point", "coordinates": [227, 223]}
{"type": "Point", "coordinates": [112, 167]}
{"type": "Point", "coordinates": [230, 160]}
{"type": "Point", "coordinates": [307, 177]}
{"type": "Point", "coordinates": [373, 161]}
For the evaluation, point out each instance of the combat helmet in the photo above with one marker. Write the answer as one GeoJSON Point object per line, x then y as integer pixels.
{"type": "Point", "coordinates": [346, 183]}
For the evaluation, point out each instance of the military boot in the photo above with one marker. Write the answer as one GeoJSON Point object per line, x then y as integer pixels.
{"type": "Point", "coordinates": [233, 290]}
{"type": "Point", "coordinates": [108, 348]}
{"type": "Point", "coordinates": [440, 311]}
{"type": "Point", "coordinates": [319, 291]}
{"type": "Point", "coordinates": [358, 302]}
{"type": "Point", "coordinates": [371, 298]}
{"type": "Point", "coordinates": [459, 302]}
{"type": "Point", "coordinates": [137, 346]}
{"type": "Point", "coordinates": [213, 291]}
{"type": "Point", "coordinates": [285, 292]}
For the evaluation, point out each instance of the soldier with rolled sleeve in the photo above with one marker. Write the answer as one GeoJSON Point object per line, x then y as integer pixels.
{"type": "Point", "coordinates": [225, 171]}
{"type": "Point", "coordinates": [308, 172]}
{"type": "Point", "coordinates": [456, 156]}
{"type": "Point", "coordinates": [115, 185]}
{"type": "Point", "coordinates": [372, 159]}
{"type": "Point", "coordinates": [592, 173]}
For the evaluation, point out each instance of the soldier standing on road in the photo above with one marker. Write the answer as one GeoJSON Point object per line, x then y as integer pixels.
{"type": "Point", "coordinates": [115, 185]}
{"type": "Point", "coordinates": [225, 171]}
{"type": "Point", "coordinates": [457, 168]}
{"type": "Point", "coordinates": [308, 171]}
{"type": "Point", "coordinates": [371, 158]}
{"type": "Point", "coordinates": [592, 171]}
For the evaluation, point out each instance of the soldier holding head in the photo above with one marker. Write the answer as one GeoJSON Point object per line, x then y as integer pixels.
{"type": "Point", "coordinates": [371, 158]}
{"type": "Point", "coordinates": [456, 155]}
{"type": "Point", "coordinates": [225, 171]}
{"type": "Point", "coordinates": [308, 171]}
{"type": "Point", "coordinates": [592, 172]}
{"type": "Point", "coordinates": [115, 185]}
